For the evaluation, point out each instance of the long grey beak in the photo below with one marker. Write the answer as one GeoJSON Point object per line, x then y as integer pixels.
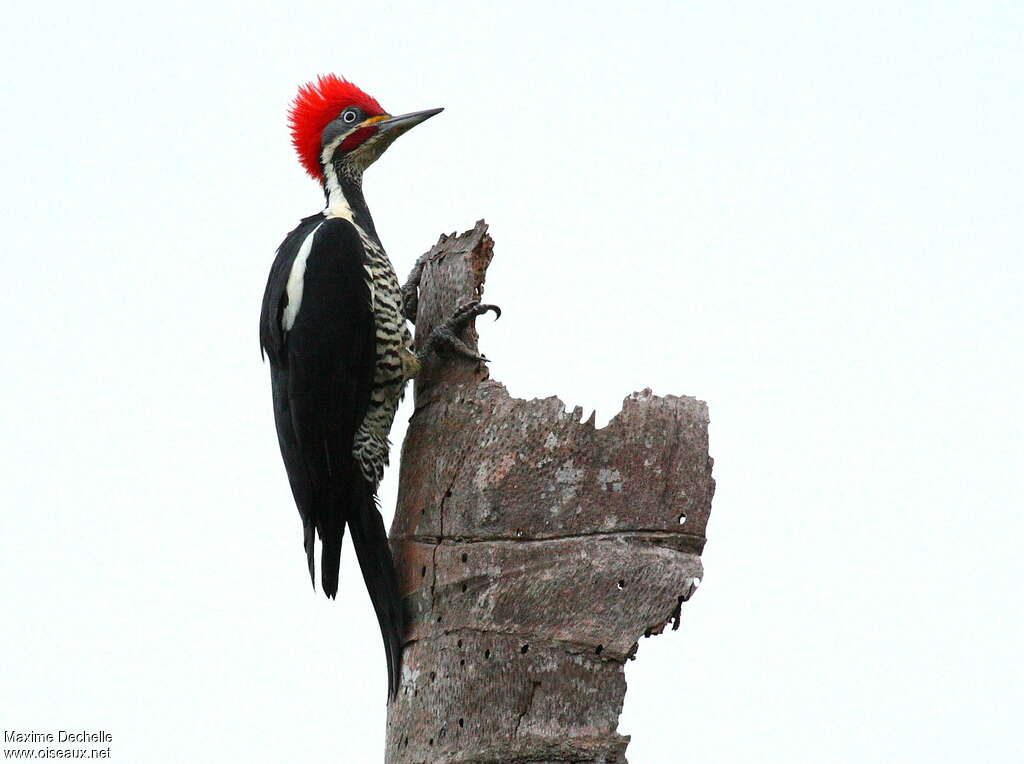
{"type": "Point", "coordinates": [398, 125]}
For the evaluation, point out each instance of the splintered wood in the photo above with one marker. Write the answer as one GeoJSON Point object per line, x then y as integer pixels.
{"type": "Point", "coordinates": [533, 550]}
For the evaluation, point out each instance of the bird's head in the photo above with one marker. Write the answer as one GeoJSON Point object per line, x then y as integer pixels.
{"type": "Point", "coordinates": [336, 127]}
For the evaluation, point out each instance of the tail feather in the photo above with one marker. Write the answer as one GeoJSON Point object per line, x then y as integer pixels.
{"type": "Point", "coordinates": [331, 527]}
{"type": "Point", "coordinates": [330, 564]}
{"type": "Point", "coordinates": [374, 554]}
{"type": "Point", "coordinates": [308, 537]}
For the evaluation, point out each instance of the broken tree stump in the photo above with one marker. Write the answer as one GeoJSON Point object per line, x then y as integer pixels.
{"type": "Point", "coordinates": [533, 549]}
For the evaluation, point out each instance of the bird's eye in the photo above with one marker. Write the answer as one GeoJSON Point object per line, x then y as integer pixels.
{"type": "Point", "coordinates": [349, 116]}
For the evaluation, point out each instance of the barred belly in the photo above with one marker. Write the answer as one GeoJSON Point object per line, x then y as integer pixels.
{"type": "Point", "coordinates": [395, 364]}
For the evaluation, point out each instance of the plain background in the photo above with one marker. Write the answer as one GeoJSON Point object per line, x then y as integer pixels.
{"type": "Point", "coordinates": [807, 214]}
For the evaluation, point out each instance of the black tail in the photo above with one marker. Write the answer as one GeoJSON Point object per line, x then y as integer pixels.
{"type": "Point", "coordinates": [330, 564]}
{"type": "Point", "coordinates": [371, 542]}
{"type": "Point", "coordinates": [308, 535]}
{"type": "Point", "coordinates": [331, 527]}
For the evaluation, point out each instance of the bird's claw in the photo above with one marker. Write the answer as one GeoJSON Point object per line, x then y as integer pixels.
{"type": "Point", "coordinates": [471, 310]}
{"type": "Point", "coordinates": [445, 340]}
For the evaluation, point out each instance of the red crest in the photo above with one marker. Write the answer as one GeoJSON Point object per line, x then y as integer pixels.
{"type": "Point", "coordinates": [317, 104]}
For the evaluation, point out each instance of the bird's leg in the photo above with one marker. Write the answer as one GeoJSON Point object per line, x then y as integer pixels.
{"type": "Point", "coordinates": [445, 340]}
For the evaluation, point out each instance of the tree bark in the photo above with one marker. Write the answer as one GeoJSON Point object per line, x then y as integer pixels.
{"type": "Point", "coordinates": [533, 549]}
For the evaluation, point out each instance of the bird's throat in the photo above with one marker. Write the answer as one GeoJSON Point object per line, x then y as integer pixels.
{"type": "Point", "coordinates": [344, 195]}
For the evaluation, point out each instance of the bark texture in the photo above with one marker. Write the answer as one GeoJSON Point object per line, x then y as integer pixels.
{"type": "Point", "coordinates": [534, 550]}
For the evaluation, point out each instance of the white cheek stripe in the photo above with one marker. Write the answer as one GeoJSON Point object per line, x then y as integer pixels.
{"type": "Point", "coordinates": [337, 204]}
{"type": "Point", "coordinates": [295, 281]}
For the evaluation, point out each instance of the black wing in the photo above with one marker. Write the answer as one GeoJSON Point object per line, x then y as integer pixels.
{"type": "Point", "coordinates": [274, 296]}
{"type": "Point", "coordinates": [321, 374]}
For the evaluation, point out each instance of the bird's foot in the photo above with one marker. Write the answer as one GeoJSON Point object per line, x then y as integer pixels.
{"type": "Point", "coordinates": [445, 340]}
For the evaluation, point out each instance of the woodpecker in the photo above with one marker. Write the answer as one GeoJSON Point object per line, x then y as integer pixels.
{"type": "Point", "coordinates": [333, 327]}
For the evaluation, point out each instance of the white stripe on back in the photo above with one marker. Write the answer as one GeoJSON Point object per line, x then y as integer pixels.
{"type": "Point", "coordinates": [295, 281]}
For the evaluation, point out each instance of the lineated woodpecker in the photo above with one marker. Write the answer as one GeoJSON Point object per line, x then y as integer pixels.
{"type": "Point", "coordinates": [333, 326]}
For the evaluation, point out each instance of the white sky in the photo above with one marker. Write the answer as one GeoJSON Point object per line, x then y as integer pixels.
{"type": "Point", "coordinates": [807, 214]}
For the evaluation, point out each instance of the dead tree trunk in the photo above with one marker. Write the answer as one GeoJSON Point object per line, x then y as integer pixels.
{"type": "Point", "coordinates": [533, 549]}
